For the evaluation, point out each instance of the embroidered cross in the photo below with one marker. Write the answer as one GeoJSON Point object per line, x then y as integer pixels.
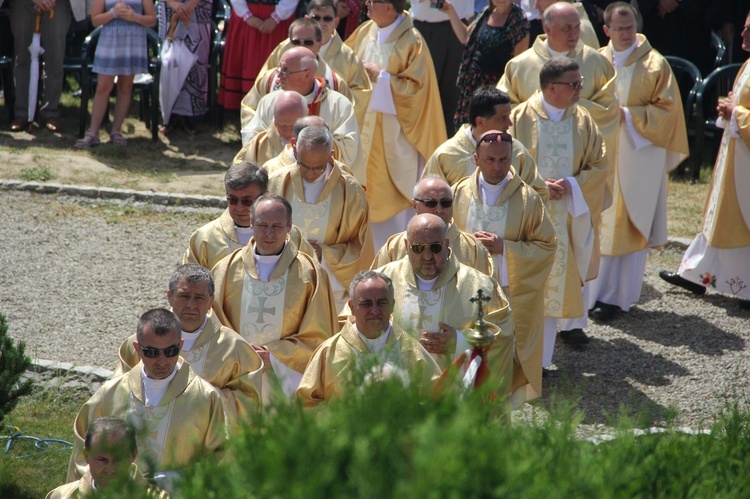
{"type": "Point", "coordinates": [556, 144]}
{"type": "Point", "coordinates": [420, 317]}
{"type": "Point", "coordinates": [261, 310]}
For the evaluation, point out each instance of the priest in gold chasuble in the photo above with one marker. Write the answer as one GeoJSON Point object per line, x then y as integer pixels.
{"type": "Point", "coordinates": [433, 195]}
{"type": "Point", "coordinates": [454, 159]}
{"type": "Point", "coordinates": [508, 217]}
{"type": "Point", "coordinates": [216, 353]}
{"type": "Point", "coordinates": [570, 155]}
{"type": "Point", "coordinates": [368, 347]}
{"type": "Point", "coordinates": [433, 304]}
{"type": "Point", "coordinates": [277, 298]}
{"type": "Point", "coordinates": [403, 124]}
{"type": "Point", "coordinates": [652, 142]}
{"type": "Point", "coordinates": [329, 207]}
{"type": "Point", "coordinates": [521, 77]}
{"type": "Point", "coordinates": [718, 257]}
{"type": "Point", "coordinates": [179, 417]}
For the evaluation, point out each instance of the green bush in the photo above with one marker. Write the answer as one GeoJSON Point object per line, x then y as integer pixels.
{"type": "Point", "coordinates": [389, 442]}
{"type": "Point", "coordinates": [13, 363]}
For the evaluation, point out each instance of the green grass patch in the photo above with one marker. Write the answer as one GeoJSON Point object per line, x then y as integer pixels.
{"type": "Point", "coordinates": [43, 415]}
{"type": "Point", "coordinates": [36, 174]}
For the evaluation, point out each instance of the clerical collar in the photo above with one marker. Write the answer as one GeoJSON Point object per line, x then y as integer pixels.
{"type": "Point", "coordinates": [154, 389]}
{"type": "Point", "coordinates": [619, 58]}
{"type": "Point", "coordinates": [555, 53]}
{"type": "Point", "coordinates": [425, 284]}
{"type": "Point", "coordinates": [269, 258]}
{"type": "Point", "coordinates": [554, 113]}
{"type": "Point", "coordinates": [266, 264]}
{"type": "Point", "coordinates": [189, 337]}
{"type": "Point", "coordinates": [243, 234]}
{"type": "Point", "coordinates": [310, 98]}
{"type": "Point", "coordinates": [470, 134]}
{"type": "Point", "coordinates": [384, 33]}
{"type": "Point", "coordinates": [324, 48]}
{"type": "Point", "coordinates": [313, 189]}
{"type": "Point", "coordinates": [490, 193]}
{"type": "Point", "coordinates": [375, 345]}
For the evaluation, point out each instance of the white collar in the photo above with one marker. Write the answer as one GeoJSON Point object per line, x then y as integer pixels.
{"type": "Point", "coordinates": [324, 48]}
{"type": "Point", "coordinates": [470, 134]}
{"type": "Point", "coordinates": [494, 187]}
{"type": "Point", "coordinates": [620, 57]}
{"type": "Point", "coordinates": [375, 345]}
{"type": "Point", "coordinates": [267, 259]}
{"type": "Point", "coordinates": [385, 33]}
{"type": "Point", "coordinates": [554, 113]}
{"type": "Point", "coordinates": [310, 98]}
{"type": "Point", "coordinates": [555, 53]}
{"type": "Point", "coordinates": [425, 284]}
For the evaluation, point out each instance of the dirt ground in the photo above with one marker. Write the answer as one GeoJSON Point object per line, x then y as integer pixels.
{"type": "Point", "coordinates": [177, 163]}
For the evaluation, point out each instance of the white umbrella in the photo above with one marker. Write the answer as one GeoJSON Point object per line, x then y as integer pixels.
{"type": "Point", "coordinates": [176, 61]}
{"type": "Point", "coordinates": [35, 49]}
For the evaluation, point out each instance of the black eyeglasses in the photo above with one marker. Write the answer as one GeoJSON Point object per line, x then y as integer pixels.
{"type": "Point", "coordinates": [233, 201]}
{"type": "Point", "coordinates": [434, 248]}
{"type": "Point", "coordinates": [307, 43]}
{"type": "Point", "coordinates": [316, 170]}
{"type": "Point", "coordinates": [575, 85]}
{"type": "Point", "coordinates": [152, 353]}
{"type": "Point", "coordinates": [432, 203]}
{"type": "Point", "coordinates": [318, 18]}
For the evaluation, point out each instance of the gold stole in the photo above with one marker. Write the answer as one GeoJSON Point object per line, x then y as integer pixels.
{"type": "Point", "coordinates": [482, 217]}
{"type": "Point", "coordinates": [555, 160]}
{"type": "Point", "coordinates": [196, 357]}
{"type": "Point", "coordinates": [262, 309]}
{"type": "Point", "coordinates": [152, 439]}
{"type": "Point", "coordinates": [380, 54]}
{"type": "Point", "coordinates": [312, 219]}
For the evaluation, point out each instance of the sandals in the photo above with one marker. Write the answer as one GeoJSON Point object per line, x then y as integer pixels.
{"type": "Point", "coordinates": [91, 139]}
{"type": "Point", "coordinates": [116, 139]}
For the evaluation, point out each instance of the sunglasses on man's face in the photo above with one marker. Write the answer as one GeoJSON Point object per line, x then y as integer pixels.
{"type": "Point", "coordinates": [432, 203]}
{"type": "Point", "coordinates": [152, 353]}
{"type": "Point", "coordinates": [318, 18]}
{"type": "Point", "coordinates": [307, 43]}
{"type": "Point", "coordinates": [434, 248]}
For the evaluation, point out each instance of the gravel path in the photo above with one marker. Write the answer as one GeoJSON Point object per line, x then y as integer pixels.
{"type": "Point", "coordinates": [75, 275]}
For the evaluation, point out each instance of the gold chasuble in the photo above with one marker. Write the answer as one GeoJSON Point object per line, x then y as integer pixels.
{"type": "Point", "coordinates": [333, 108]}
{"type": "Point", "coordinates": [464, 246]}
{"type": "Point", "coordinates": [284, 159]}
{"type": "Point", "coordinates": [449, 302]}
{"type": "Point", "coordinates": [393, 143]}
{"type": "Point", "coordinates": [519, 218]}
{"type": "Point", "coordinates": [338, 220]}
{"type": "Point", "coordinates": [268, 82]}
{"type": "Point", "coordinates": [574, 148]}
{"type": "Point", "coordinates": [290, 315]}
{"type": "Point", "coordinates": [221, 357]}
{"type": "Point", "coordinates": [335, 364]}
{"type": "Point", "coordinates": [645, 86]}
{"type": "Point", "coordinates": [521, 81]}
{"type": "Point", "coordinates": [189, 423]}
{"type": "Point", "coordinates": [261, 148]}
{"type": "Point", "coordinates": [344, 62]}
{"type": "Point", "coordinates": [84, 488]}
{"type": "Point", "coordinates": [218, 238]}
{"type": "Point", "coordinates": [454, 160]}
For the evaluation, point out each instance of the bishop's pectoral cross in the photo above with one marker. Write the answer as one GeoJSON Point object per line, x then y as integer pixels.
{"type": "Point", "coordinates": [261, 310]}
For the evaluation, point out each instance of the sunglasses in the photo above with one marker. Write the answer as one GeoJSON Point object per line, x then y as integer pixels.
{"type": "Point", "coordinates": [233, 201]}
{"type": "Point", "coordinates": [575, 85]}
{"type": "Point", "coordinates": [307, 43]}
{"type": "Point", "coordinates": [318, 18]}
{"type": "Point", "coordinates": [432, 203]}
{"type": "Point", "coordinates": [152, 353]}
{"type": "Point", "coordinates": [434, 248]}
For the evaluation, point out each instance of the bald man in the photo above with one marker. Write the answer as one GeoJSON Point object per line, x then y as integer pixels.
{"type": "Point", "coordinates": [290, 106]}
{"type": "Point", "coordinates": [433, 291]}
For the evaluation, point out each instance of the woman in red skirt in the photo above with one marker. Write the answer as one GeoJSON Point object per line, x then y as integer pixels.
{"type": "Point", "coordinates": [254, 30]}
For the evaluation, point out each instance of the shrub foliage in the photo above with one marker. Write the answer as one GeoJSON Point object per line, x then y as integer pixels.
{"type": "Point", "coordinates": [13, 363]}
